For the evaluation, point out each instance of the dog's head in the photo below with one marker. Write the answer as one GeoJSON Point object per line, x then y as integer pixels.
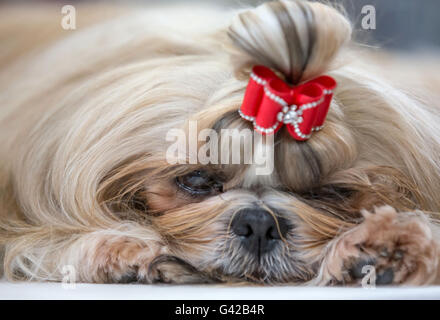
{"type": "Point", "coordinates": [221, 214]}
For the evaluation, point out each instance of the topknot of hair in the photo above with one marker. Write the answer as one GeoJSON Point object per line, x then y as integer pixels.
{"type": "Point", "coordinates": [296, 38]}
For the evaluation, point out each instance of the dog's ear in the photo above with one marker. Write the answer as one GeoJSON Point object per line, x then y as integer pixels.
{"type": "Point", "coordinates": [297, 38]}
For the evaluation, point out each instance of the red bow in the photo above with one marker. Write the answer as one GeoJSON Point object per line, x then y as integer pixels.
{"type": "Point", "coordinates": [269, 103]}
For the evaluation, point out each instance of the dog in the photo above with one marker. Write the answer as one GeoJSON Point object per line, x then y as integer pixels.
{"type": "Point", "coordinates": [88, 179]}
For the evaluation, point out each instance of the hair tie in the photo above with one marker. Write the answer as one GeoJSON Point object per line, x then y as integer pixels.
{"type": "Point", "coordinates": [270, 103]}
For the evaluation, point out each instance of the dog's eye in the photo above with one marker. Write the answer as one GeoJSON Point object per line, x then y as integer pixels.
{"type": "Point", "coordinates": [329, 193]}
{"type": "Point", "coordinates": [199, 183]}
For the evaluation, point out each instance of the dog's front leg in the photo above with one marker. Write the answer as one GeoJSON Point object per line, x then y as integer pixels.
{"type": "Point", "coordinates": [387, 248]}
{"type": "Point", "coordinates": [109, 258]}
{"type": "Point", "coordinates": [105, 257]}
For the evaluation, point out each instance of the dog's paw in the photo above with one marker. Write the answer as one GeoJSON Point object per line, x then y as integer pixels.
{"type": "Point", "coordinates": [128, 277]}
{"type": "Point", "coordinates": [170, 269]}
{"type": "Point", "coordinates": [377, 273]}
{"type": "Point", "coordinates": [388, 248]}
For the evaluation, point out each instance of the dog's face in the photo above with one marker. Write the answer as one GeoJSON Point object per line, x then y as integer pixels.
{"type": "Point", "coordinates": [229, 220]}
{"type": "Point", "coordinates": [226, 220]}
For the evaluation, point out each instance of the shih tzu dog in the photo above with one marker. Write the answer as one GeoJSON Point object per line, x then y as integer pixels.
{"type": "Point", "coordinates": [90, 176]}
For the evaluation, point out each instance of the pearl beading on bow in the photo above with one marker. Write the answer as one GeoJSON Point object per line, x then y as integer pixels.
{"type": "Point", "coordinates": [270, 103]}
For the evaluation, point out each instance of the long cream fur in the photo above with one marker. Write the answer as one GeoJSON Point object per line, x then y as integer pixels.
{"type": "Point", "coordinates": [84, 114]}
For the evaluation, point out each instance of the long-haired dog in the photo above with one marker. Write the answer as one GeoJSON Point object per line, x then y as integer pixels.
{"type": "Point", "coordinates": [86, 179]}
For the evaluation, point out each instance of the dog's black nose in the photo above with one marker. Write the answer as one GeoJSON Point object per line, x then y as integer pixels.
{"type": "Point", "coordinates": [258, 230]}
